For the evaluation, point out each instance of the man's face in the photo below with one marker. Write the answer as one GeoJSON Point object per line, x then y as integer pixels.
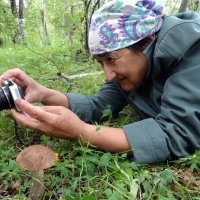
{"type": "Point", "coordinates": [127, 66]}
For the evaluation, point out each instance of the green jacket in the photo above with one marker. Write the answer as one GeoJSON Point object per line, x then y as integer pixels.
{"type": "Point", "coordinates": [168, 100]}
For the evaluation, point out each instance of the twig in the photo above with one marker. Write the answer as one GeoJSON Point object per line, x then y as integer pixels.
{"type": "Point", "coordinates": [58, 68]}
{"type": "Point", "coordinates": [70, 77]}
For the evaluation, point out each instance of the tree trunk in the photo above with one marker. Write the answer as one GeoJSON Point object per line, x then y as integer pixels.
{"type": "Point", "coordinates": [71, 27]}
{"type": "Point", "coordinates": [38, 20]}
{"type": "Point", "coordinates": [183, 6]}
{"type": "Point", "coordinates": [64, 22]}
{"type": "Point", "coordinates": [196, 5]}
{"type": "Point", "coordinates": [89, 10]}
{"type": "Point", "coordinates": [13, 8]}
{"type": "Point", "coordinates": [46, 40]}
{"type": "Point", "coordinates": [21, 20]}
{"type": "Point", "coordinates": [99, 4]}
{"type": "Point", "coordinates": [19, 17]}
{"type": "Point", "coordinates": [86, 9]}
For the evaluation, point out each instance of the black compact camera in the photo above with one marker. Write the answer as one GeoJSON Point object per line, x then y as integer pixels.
{"type": "Point", "coordinates": [9, 93]}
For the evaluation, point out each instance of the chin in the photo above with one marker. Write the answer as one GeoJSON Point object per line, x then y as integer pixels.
{"type": "Point", "coordinates": [127, 88]}
{"type": "Point", "coordinates": [126, 85]}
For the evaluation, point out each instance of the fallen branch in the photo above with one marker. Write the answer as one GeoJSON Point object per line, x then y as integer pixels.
{"type": "Point", "coordinates": [70, 77]}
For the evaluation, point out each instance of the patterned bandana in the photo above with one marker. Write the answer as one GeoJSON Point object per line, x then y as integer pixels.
{"type": "Point", "coordinates": [121, 23]}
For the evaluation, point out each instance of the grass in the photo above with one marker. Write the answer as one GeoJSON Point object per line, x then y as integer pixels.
{"type": "Point", "coordinates": [84, 173]}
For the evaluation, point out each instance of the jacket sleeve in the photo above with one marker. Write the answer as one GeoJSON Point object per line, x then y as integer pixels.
{"type": "Point", "coordinates": [90, 108]}
{"type": "Point", "coordinates": [175, 131]}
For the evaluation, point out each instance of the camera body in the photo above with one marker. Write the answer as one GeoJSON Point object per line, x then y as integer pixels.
{"type": "Point", "coordinates": [9, 93]}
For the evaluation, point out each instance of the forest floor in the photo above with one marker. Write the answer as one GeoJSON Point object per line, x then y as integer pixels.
{"type": "Point", "coordinates": [83, 172]}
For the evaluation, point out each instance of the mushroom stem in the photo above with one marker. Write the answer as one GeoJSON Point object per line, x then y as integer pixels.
{"type": "Point", "coordinates": [37, 188]}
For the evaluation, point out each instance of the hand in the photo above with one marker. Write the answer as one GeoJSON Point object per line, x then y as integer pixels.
{"type": "Point", "coordinates": [60, 122]}
{"type": "Point", "coordinates": [53, 121]}
{"type": "Point", "coordinates": [34, 92]}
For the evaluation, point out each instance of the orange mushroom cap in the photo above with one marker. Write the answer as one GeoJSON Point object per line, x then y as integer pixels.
{"type": "Point", "coordinates": [36, 157]}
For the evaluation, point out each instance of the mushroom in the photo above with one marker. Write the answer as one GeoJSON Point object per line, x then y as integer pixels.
{"type": "Point", "coordinates": [36, 158]}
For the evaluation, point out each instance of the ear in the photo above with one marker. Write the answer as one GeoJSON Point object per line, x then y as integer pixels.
{"type": "Point", "coordinates": [146, 41]}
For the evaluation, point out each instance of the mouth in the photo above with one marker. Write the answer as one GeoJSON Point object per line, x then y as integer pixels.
{"type": "Point", "coordinates": [125, 84]}
{"type": "Point", "coordinates": [120, 78]}
{"type": "Point", "coordinates": [121, 81]}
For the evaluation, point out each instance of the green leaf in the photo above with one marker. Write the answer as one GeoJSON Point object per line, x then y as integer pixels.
{"type": "Point", "coordinates": [115, 196]}
{"type": "Point", "coordinates": [166, 176]}
{"type": "Point", "coordinates": [89, 197]}
{"type": "Point", "coordinates": [134, 187]}
{"type": "Point", "coordinates": [90, 168]}
{"type": "Point", "coordinates": [193, 166]}
{"type": "Point", "coordinates": [156, 180]}
{"type": "Point", "coordinates": [147, 187]}
{"type": "Point", "coordinates": [107, 112]}
{"type": "Point", "coordinates": [108, 192]}
{"type": "Point", "coordinates": [105, 159]}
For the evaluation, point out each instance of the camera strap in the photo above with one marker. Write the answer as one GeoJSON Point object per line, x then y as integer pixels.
{"type": "Point", "coordinates": [17, 133]}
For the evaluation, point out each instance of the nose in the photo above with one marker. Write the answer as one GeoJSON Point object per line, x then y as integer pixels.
{"type": "Point", "coordinates": [109, 73]}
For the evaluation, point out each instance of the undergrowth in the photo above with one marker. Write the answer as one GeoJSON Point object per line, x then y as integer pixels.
{"type": "Point", "coordinates": [83, 172]}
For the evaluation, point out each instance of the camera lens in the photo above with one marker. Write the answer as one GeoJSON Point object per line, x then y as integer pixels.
{"type": "Point", "coordinates": [6, 101]}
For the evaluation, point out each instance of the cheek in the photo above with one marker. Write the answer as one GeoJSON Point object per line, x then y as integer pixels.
{"type": "Point", "coordinates": [136, 77]}
{"type": "Point", "coordinates": [140, 71]}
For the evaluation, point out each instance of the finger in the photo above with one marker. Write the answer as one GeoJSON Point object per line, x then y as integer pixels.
{"type": "Point", "coordinates": [22, 83]}
{"type": "Point", "coordinates": [35, 112]}
{"type": "Point", "coordinates": [25, 120]}
{"type": "Point", "coordinates": [53, 109]}
{"type": "Point", "coordinates": [15, 74]}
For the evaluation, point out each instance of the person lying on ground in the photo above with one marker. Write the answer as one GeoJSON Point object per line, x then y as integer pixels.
{"type": "Point", "coordinates": [151, 61]}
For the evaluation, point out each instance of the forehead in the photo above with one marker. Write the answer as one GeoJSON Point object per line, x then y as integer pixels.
{"type": "Point", "coordinates": [113, 54]}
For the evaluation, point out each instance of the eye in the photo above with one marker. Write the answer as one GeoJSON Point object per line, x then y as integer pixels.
{"type": "Point", "coordinates": [110, 59]}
